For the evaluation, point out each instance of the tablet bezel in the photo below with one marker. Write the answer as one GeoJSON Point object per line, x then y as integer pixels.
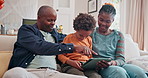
{"type": "Point", "coordinates": [92, 63]}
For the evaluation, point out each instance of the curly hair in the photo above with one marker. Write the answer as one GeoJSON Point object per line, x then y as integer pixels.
{"type": "Point", "coordinates": [84, 22]}
{"type": "Point", "coordinates": [107, 8]}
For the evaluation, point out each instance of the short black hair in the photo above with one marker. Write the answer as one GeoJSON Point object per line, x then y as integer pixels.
{"type": "Point", "coordinates": [84, 22]}
{"type": "Point", "coordinates": [42, 10]}
{"type": "Point", "coordinates": [108, 9]}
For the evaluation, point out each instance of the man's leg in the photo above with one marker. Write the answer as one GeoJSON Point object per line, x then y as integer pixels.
{"type": "Point", "coordinates": [49, 73]}
{"type": "Point", "coordinates": [18, 72]}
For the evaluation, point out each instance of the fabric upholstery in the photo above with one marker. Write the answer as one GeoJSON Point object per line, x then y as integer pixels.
{"type": "Point", "coordinates": [4, 61]}
{"type": "Point", "coordinates": [6, 47]}
{"type": "Point", "coordinates": [7, 42]}
{"type": "Point", "coordinates": [141, 61]}
{"type": "Point", "coordinates": [131, 48]}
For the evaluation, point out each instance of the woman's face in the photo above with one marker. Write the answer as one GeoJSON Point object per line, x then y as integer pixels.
{"type": "Point", "coordinates": [104, 21]}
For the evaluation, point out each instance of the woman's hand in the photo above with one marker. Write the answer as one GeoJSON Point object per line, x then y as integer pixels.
{"type": "Point", "coordinates": [75, 64]}
{"type": "Point", "coordinates": [105, 64]}
{"type": "Point", "coordinates": [113, 63]}
{"type": "Point", "coordinates": [102, 64]}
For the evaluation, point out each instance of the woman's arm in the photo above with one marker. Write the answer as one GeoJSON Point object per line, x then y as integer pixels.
{"type": "Point", "coordinates": [120, 59]}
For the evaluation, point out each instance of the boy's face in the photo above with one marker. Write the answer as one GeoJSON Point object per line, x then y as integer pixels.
{"type": "Point", "coordinates": [82, 34]}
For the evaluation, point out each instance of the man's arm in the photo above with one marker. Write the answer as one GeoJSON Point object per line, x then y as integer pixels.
{"type": "Point", "coordinates": [30, 38]}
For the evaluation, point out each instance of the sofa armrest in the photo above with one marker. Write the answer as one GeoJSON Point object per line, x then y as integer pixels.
{"type": "Point", "coordinates": [142, 53]}
{"type": "Point", "coordinates": [4, 61]}
{"type": "Point", "coordinates": [7, 42]}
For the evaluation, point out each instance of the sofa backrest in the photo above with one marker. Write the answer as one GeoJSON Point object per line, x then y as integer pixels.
{"type": "Point", "coordinates": [7, 42]}
{"type": "Point", "coordinates": [4, 61]}
{"type": "Point", "coordinates": [6, 47]}
{"type": "Point", "coordinates": [131, 48]}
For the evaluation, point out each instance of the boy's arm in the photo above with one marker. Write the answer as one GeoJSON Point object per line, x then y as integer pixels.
{"type": "Point", "coordinates": [63, 58]}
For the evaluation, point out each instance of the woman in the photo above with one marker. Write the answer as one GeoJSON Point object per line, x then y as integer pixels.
{"type": "Point", "coordinates": [110, 44]}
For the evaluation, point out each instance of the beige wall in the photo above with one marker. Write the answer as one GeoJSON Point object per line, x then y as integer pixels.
{"type": "Point", "coordinates": [80, 6]}
{"type": "Point", "coordinates": [45, 2]}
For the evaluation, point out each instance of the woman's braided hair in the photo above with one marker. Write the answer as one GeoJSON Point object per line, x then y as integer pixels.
{"type": "Point", "coordinates": [108, 8]}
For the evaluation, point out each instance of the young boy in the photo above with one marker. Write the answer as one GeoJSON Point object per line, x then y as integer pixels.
{"type": "Point", "coordinates": [84, 25]}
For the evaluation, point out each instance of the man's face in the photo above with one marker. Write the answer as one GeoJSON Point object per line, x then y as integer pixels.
{"type": "Point", "coordinates": [47, 22]}
{"type": "Point", "coordinates": [82, 34]}
{"type": "Point", "coordinates": [104, 21]}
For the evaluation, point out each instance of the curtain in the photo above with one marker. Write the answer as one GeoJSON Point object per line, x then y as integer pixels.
{"type": "Point", "coordinates": [15, 10]}
{"type": "Point", "coordinates": [123, 16]}
{"type": "Point", "coordinates": [132, 20]}
{"type": "Point", "coordinates": [145, 6]}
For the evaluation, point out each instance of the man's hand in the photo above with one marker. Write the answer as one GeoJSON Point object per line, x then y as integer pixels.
{"type": "Point", "coordinates": [84, 50]}
{"type": "Point", "coordinates": [75, 64]}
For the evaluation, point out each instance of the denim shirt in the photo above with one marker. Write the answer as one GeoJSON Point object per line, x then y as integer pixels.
{"type": "Point", "coordinates": [30, 42]}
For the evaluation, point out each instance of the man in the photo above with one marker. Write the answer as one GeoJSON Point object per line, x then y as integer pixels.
{"type": "Point", "coordinates": [36, 48]}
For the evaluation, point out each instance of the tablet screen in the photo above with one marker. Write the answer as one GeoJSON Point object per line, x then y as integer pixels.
{"type": "Point", "coordinates": [92, 63]}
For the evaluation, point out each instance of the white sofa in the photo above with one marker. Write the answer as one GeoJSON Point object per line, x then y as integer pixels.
{"type": "Point", "coordinates": [132, 53]}
{"type": "Point", "coordinates": [6, 47]}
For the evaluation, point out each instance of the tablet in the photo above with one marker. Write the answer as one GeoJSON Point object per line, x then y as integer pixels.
{"type": "Point", "coordinates": [92, 63]}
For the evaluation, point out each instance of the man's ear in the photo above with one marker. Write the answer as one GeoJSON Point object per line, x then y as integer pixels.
{"type": "Point", "coordinates": [39, 17]}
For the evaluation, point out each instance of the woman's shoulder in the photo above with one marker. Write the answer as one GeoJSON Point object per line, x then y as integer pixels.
{"type": "Point", "coordinates": [118, 33]}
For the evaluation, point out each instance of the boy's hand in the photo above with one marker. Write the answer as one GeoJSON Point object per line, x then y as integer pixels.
{"type": "Point", "coordinates": [75, 64]}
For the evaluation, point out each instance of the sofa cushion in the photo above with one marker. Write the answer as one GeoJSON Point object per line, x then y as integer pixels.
{"type": "Point", "coordinates": [141, 61]}
{"type": "Point", "coordinates": [131, 48]}
{"type": "Point", "coordinates": [4, 61]}
{"type": "Point", "coordinates": [7, 42]}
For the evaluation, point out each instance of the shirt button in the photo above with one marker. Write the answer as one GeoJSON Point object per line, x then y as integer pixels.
{"type": "Point", "coordinates": [69, 48]}
{"type": "Point", "coordinates": [60, 50]}
{"type": "Point", "coordinates": [26, 63]}
{"type": "Point", "coordinates": [33, 54]}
